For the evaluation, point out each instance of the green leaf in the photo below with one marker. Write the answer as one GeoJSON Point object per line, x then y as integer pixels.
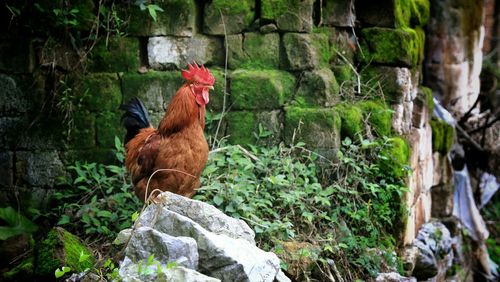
{"type": "Point", "coordinates": [17, 224]}
{"type": "Point", "coordinates": [64, 220]}
{"type": "Point", "coordinates": [218, 200]}
{"type": "Point", "coordinates": [83, 257]}
{"type": "Point", "coordinates": [60, 272]}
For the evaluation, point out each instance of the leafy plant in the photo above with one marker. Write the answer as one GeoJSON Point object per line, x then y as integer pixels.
{"type": "Point", "coordinates": [16, 224]}
{"type": "Point", "coordinates": [151, 8]}
{"type": "Point", "coordinates": [350, 208]}
{"type": "Point", "coordinates": [99, 201]}
{"type": "Point", "coordinates": [60, 272]}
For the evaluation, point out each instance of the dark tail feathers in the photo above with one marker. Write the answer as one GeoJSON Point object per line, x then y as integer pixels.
{"type": "Point", "coordinates": [135, 117]}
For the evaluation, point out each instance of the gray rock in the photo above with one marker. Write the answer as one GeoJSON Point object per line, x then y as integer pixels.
{"type": "Point", "coordinates": [339, 13]}
{"type": "Point", "coordinates": [393, 277]}
{"type": "Point", "coordinates": [208, 216]}
{"type": "Point", "coordinates": [12, 99]}
{"type": "Point", "coordinates": [235, 17]}
{"type": "Point", "coordinates": [304, 51]}
{"type": "Point", "coordinates": [220, 256]}
{"type": "Point", "coordinates": [6, 169]}
{"type": "Point", "coordinates": [146, 241]}
{"type": "Point", "coordinates": [268, 28]}
{"type": "Point", "coordinates": [39, 168]}
{"type": "Point", "coordinates": [435, 255]}
{"type": "Point", "coordinates": [176, 52]}
{"type": "Point", "coordinates": [133, 273]}
{"type": "Point", "coordinates": [294, 16]}
{"type": "Point", "coordinates": [246, 50]}
{"type": "Point", "coordinates": [318, 88]}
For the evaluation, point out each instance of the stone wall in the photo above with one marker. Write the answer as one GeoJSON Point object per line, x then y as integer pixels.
{"type": "Point", "coordinates": [316, 71]}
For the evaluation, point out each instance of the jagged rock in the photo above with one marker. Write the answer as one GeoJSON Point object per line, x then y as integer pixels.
{"type": "Point", "coordinates": [225, 246]}
{"type": "Point", "coordinates": [146, 241]}
{"type": "Point", "coordinates": [318, 88]}
{"type": "Point", "coordinates": [435, 255]}
{"type": "Point", "coordinates": [176, 52]}
{"type": "Point", "coordinates": [208, 216]}
{"type": "Point", "coordinates": [393, 277]}
{"type": "Point", "coordinates": [131, 272]}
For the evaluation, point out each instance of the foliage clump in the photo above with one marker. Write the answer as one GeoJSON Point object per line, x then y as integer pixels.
{"type": "Point", "coordinates": [348, 212]}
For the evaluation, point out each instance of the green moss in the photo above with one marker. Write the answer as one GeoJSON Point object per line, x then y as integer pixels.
{"type": "Point", "coordinates": [317, 88]}
{"type": "Point", "coordinates": [82, 134]}
{"type": "Point", "coordinates": [272, 9]}
{"type": "Point", "coordinates": [22, 272]}
{"type": "Point", "coordinates": [241, 126]}
{"type": "Point", "coordinates": [261, 89]}
{"type": "Point", "coordinates": [393, 46]}
{"type": "Point", "coordinates": [245, 51]}
{"type": "Point", "coordinates": [427, 98]}
{"type": "Point", "coordinates": [379, 116]}
{"type": "Point", "coordinates": [317, 127]}
{"type": "Point", "coordinates": [343, 73]}
{"type": "Point", "coordinates": [321, 43]}
{"type": "Point", "coordinates": [420, 12]}
{"type": "Point", "coordinates": [443, 136]}
{"type": "Point", "coordinates": [100, 92]}
{"type": "Point", "coordinates": [217, 95]}
{"type": "Point", "coordinates": [61, 248]}
{"type": "Point", "coordinates": [395, 157]}
{"type": "Point", "coordinates": [108, 125]}
{"type": "Point", "coordinates": [230, 7]}
{"type": "Point", "coordinates": [352, 120]}
{"type": "Point", "coordinates": [118, 54]}
{"type": "Point", "coordinates": [402, 12]}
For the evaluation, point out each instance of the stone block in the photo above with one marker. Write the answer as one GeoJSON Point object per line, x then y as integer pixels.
{"type": "Point", "coordinates": [39, 169]}
{"type": "Point", "coordinates": [177, 18]}
{"type": "Point", "coordinates": [352, 123]}
{"type": "Point", "coordinates": [217, 95]}
{"type": "Point", "coordinates": [393, 13]}
{"type": "Point", "coordinates": [379, 116]}
{"type": "Point", "coordinates": [243, 127]}
{"type": "Point", "coordinates": [6, 169]}
{"type": "Point", "coordinates": [344, 46]}
{"type": "Point", "coordinates": [306, 51]}
{"type": "Point", "coordinates": [9, 130]}
{"type": "Point", "coordinates": [289, 15]}
{"type": "Point", "coordinates": [317, 88]}
{"type": "Point", "coordinates": [12, 99]}
{"type": "Point", "coordinates": [245, 51]}
{"type": "Point", "coordinates": [317, 127]}
{"type": "Point", "coordinates": [236, 16]}
{"type": "Point", "coordinates": [107, 126]}
{"type": "Point", "coordinates": [443, 136]}
{"type": "Point", "coordinates": [154, 89]}
{"type": "Point", "coordinates": [100, 92]}
{"type": "Point", "coordinates": [338, 13]}
{"type": "Point", "coordinates": [82, 134]}
{"type": "Point", "coordinates": [49, 133]}
{"type": "Point", "coordinates": [442, 200]}
{"type": "Point", "coordinates": [17, 55]}
{"type": "Point", "coordinates": [118, 54]}
{"type": "Point", "coordinates": [423, 105]}
{"type": "Point", "coordinates": [259, 89]}
{"type": "Point", "coordinates": [394, 82]}
{"type": "Point", "coordinates": [177, 52]}
{"type": "Point", "coordinates": [395, 47]}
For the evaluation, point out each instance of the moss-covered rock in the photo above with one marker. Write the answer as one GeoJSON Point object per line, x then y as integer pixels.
{"type": "Point", "coordinates": [379, 116]}
{"type": "Point", "coordinates": [155, 89]}
{"type": "Point", "coordinates": [395, 158]}
{"type": "Point", "coordinates": [82, 134]}
{"type": "Point", "coordinates": [290, 15]}
{"type": "Point", "coordinates": [420, 12]}
{"type": "Point", "coordinates": [100, 92]}
{"type": "Point", "coordinates": [217, 95]}
{"type": "Point", "coordinates": [118, 54]}
{"type": "Point", "coordinates": [317, 88]}
{"type": "Point", "coordinates": [259, 89]}
{"type": "Point", "coordinates": [177, 18]}
{"type": "Point", "coordinates": [236, 16]}
{"type": "Point", "coordinates": [61, 248]}
{"type": "Point", "coordinates": [317, 127]}
{"type": "Point", "coordinates": [443, 136]}
{"type": "Point", "coordinates": [306, 51]}
{"type": "Point", "coordinates": [423, 106]}
{"type": "Point", "coordinates": [352, 120]}
{"type": "Point", "coordinates": [245, 51]}
{"type": "Point", "coordinates": [395, 47]}
{"type": "Point", "coordinates": [243, 127]}
{"type": "Point", "coordinates": [390, 83]}
{"type": "Point", "coordinates": [338, 13]}
{"type": "Point", "coordinates": [108, 125]}
{"type": "Point", "coordinates": [393, 14]}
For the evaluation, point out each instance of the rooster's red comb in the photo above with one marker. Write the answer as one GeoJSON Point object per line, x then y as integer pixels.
{"type": "Point", "coordinates": [198, 74]}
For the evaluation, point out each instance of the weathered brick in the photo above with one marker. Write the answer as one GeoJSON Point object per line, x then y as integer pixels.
{"type": "Point", "coordinates": [245, 51]}
{"type": "Point", "coordinates": [39, 169]}
{"type": "Point", "coordinates": [116, 54]}
{"type": "Point", "coordinates": [100, 92]}
{"type": "Point", "coordinates": [243, 127]}
{"type": "Point", "coordinates": [236, 16]}
{"type": "Point", "coordinates": [317, 88]}
{"type": "Point", "coordinates": [17, 55]}
{"type": "Point", "coordinates": [290, 15]}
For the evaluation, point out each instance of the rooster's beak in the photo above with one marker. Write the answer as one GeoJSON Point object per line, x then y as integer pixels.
{"type": "Point", "coordinates": [210, 87]}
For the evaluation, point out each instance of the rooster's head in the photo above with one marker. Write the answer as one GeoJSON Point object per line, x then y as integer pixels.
{"type": "Point", "coordinates": [200, 81]}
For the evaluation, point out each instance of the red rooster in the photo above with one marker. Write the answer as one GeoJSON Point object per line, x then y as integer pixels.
{"type": "Point", "coordinates": [172, 157]}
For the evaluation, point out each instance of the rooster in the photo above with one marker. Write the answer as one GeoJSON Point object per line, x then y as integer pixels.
{"type": "Point", "coordinates": [172, 157]}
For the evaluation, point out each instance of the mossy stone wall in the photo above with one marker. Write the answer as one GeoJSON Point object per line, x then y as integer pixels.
{"type": "Point", "coordinates": [292, 70]}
